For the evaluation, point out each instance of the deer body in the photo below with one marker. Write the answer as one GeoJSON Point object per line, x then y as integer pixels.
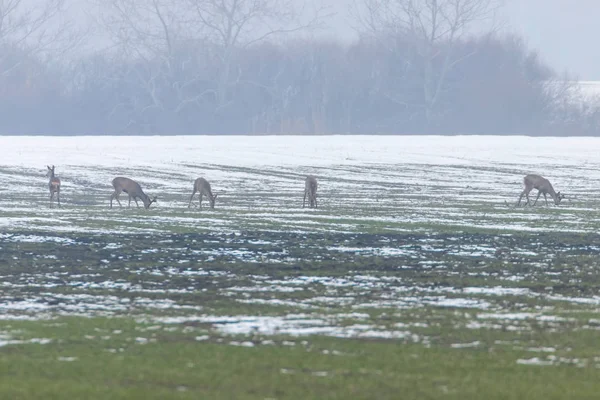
{"type": "Point", "coordinates": [543, 186]}
{"type": "Point", "coordinates": [53, 185]}
{"type": "Point", "coordinates": [202, 186]}
{"type": "Point", "coordinates": [133, 190]}
{"type": "Point", "coordinates": [310, 191]}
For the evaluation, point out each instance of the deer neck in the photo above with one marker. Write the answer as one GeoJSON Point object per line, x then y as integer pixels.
{"type": "Point", "coordinates": [551, 191]}
{"type": "Point", "coordinates": [145, 199]}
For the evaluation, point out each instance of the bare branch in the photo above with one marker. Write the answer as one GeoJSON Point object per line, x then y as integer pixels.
{"type": "Point", "coordinates": [38, 29]}
{"type": "Point", "coordinates": [434, 27]}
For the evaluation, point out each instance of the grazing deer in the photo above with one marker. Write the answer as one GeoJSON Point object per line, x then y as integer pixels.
{"type": "Point", "coordinates": [202, 186]}
{"type": "Point", "coordinates": [53, 185]}
{"type": "Point", "coordinates": [543, 186]}
{"type": "Point", "coordinates": [133, 189]}
{"type": "Point", "coordinates": [310, 190]}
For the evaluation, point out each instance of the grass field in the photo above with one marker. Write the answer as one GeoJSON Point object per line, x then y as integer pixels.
{"type": "Point", "coordinates": [416, 277]}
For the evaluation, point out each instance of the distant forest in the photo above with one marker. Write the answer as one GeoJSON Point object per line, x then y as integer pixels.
{"type": "Point", "coordinates": [256, 67]}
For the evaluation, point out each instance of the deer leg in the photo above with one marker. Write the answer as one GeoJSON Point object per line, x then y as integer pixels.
{"type": "Point", "coordinates": [527, 196]}
{"type": "Point", "coordinates": [136, 202]}
{"type": "Point", "coordinates": [545, 198]}
{"type": "Point", "coordinates": [192, 198]}
{"type": "Point", "coordinates": [115, 196]}
{"type": "Point", "coordinates": [304, 199]}
{"type": "Point", "coordinates": [315, 198]}
{"type": "Point", "coordinates": [58, 197]}
{"type": "Point", "coordinates": [520, 197]}
{"type": "Point", "coordinates": [51, 197]}
{"type": "Point", "coordinates": [536, 199]}
{"type": "Point", "coordinates": [200, 200]}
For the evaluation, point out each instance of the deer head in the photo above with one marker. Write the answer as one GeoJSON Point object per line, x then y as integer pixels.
{"type": "Point", "coordinates": [149, 201]}
{"type": "Point", "coordinates": [559, 197]}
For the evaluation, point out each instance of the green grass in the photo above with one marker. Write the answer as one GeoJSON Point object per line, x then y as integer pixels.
{"type": "Point", "coordinates": [445, 245]}
{"type": "Point", "coordinates": [179, 367]}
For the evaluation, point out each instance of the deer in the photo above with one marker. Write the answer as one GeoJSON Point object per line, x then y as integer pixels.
{"type": "Point", "coordinates": [543, 186]}
{"type": "Point", "coordinates": [53, 185]}
{"type": "Point", "coordinates": [310, 190]}
{"type": "Point", "coordinates": [133, 189]}
{"type": "Point", "coordinates": [202, 186]}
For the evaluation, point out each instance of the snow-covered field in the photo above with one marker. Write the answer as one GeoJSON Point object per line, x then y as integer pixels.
{"type": "Point", "coordinates": [397, 182]}
{"type": "Point", "coordinates": [167, 151]}
{"type": "Point", "coordinates": [412, 228]}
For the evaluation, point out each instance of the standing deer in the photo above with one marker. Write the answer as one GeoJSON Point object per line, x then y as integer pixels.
{"type": "Point", "coordinates": [201, 185]}
{"type": "Point", "coordinates": [310, 190]}
{"type": "Point", "coordinates": [53, 185]}
{"type": "Point", "coordinates": [543, 186]}
{"type": "Point", "coordinates": [133, 189]}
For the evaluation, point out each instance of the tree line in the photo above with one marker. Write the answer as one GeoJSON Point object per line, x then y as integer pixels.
{"type": "Point", "coordinates": [254, 67]}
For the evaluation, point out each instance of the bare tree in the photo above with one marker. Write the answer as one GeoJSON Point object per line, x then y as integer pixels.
{"type": "Point", "coordinates": [33, 28]}
{"type": "Point", "coordinates": [434, 27]}
{"type": "Point", "coordinates": [233, 25]}
{"type": "Point", "coordinates": [182, 54]}
{"type": "Point", "coordinates": [165, 65]}
{"type": "Point", "coordinates": [145, 34]}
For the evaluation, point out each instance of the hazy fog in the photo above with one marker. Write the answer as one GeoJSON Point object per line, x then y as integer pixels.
{"type": "Point", "coordinates": [564, 31]}
{"type": "Point", "coordinates": [270, 66]}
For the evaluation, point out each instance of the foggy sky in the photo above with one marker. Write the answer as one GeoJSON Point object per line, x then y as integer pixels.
{"type": "Point", "coordinates": [565, 32]}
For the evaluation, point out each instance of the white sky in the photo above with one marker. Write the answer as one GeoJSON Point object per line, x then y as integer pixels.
{"type": "Point", "coordinates": [564, 32]}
